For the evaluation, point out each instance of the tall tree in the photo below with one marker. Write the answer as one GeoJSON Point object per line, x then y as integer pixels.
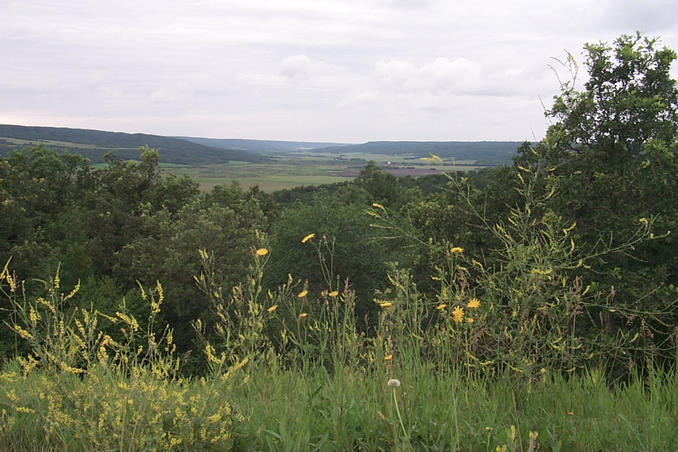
{"type": "Point", "coordinates": [611, 159]}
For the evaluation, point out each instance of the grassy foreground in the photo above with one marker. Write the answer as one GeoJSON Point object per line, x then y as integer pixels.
{"type": "Point", "coordinates": [260, 407]}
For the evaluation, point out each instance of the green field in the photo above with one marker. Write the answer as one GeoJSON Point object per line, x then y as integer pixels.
{"type": "Point", "coordinates": [307, 169]}
{"type": "Point", "coordinates": [268, 176]}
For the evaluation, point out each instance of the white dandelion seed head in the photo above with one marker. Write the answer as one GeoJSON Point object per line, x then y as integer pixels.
{"type": "Point", "coordinates": [394, 383]}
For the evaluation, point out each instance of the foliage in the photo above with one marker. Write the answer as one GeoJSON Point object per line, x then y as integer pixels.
{"type": "Point", "coordinates": [611, 160]}
{"type": "Point", "coordinates": [223, 222]}
{"type": "Point", "coordinates": [345, 228]}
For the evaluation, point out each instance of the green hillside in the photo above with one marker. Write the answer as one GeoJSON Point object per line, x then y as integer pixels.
{"type": "Point", "coordinates": [261, 146]}
{"type": "Point", "coordinates": [490, 153]}
{"type": "Point", "coordinates": [94, 144]}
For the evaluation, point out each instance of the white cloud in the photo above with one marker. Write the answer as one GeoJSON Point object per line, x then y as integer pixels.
{"type": "Point", "coordinates": [295, 66]}
{"type": "Point", "coordinates": [440, 76]}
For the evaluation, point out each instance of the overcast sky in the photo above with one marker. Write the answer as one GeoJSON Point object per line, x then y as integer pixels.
{"type": "Point", "coordinates": [346, 70]}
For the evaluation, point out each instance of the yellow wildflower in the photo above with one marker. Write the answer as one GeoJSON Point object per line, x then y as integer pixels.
{"type": "Point", "coordinates": [272, 308]}
{"type": "Point", "coordinates": [73, 292]}
{"type": "Point", "coordinates": [388, 357]}
{"type": "Point", "coordinates": [386, 304]}
{"type": "Point", "coordinates": [262, 252]}
{"type": "Point", "coordinates": [334, 293]}
{"type": "Point", "coordinates": [161, 293]}
{"type": "Point", "coordinates": [470, 320]}
{"type": "Point", "coordinates": [11, 282]}
{"type": "Point", "coordinates": [473, 303]}
{"type": "Point", "coordinates": [458, 314]}
{"type": "Point", "coordinates": [303, 293]}
{"type": "Point", "coordinates": [538, 271]}
{"type": "Point", "coordinates": [24, 409]}
{"type": "Point", "coordinates": [441, 306]}
{"type": "Point", "coordinates": [34, 316]}
{"type": "Point", "coordinates": [307, 238]}
{"type": "Point", "coordinates": [302, 315]}
{"type": "Point", "coordinates": [23, 333]}
{"type": "Point", "coordinates": [457, 250]}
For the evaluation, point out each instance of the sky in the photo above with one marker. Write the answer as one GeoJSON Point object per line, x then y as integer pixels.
{"type": "Point", "coordinates": [310, 70]}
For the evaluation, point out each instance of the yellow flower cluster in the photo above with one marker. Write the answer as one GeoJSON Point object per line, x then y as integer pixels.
{"type": "Point", "coordinates": [162, 414]}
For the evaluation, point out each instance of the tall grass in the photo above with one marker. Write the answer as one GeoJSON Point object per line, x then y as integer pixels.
{"type": "Point", "coordinates": [354, 410]}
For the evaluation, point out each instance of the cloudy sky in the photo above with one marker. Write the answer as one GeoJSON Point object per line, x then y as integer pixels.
{"type": "Point", "coordinates": [324, 70]}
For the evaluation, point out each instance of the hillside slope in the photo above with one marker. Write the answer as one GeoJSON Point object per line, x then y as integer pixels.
{"type": "Point", "coordinates": [261, 146]}
{"type": "Point", "coordinates": [489, 153]}
{"type": "Point", "coordinates": [94, 144]}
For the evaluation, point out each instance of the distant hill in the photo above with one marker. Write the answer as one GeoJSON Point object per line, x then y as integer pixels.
{"type": "Point", "coordinates": [261, 146]}
{"type": "Point", "coordinates": [94, 144]}
{"type": "Point", "coordinates": [490, 153]}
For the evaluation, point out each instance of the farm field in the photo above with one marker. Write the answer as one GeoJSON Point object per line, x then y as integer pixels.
{"type": "Point", "coordinates": [307, 168]}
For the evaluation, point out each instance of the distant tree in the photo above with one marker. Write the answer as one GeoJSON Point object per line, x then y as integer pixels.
{"type": "Point", "coordinates": [384, 187]}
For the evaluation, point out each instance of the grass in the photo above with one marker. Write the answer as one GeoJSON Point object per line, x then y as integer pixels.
{"type": "Point", "coordinates": [268, 408]}
{"type": "Point", "coordinates": [355, 411]}
{"type": "Point", "coordinates": [269, 176]}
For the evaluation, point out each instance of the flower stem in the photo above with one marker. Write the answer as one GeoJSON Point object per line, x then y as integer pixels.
{"type": "Point", "coordinates": [395, 401]}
